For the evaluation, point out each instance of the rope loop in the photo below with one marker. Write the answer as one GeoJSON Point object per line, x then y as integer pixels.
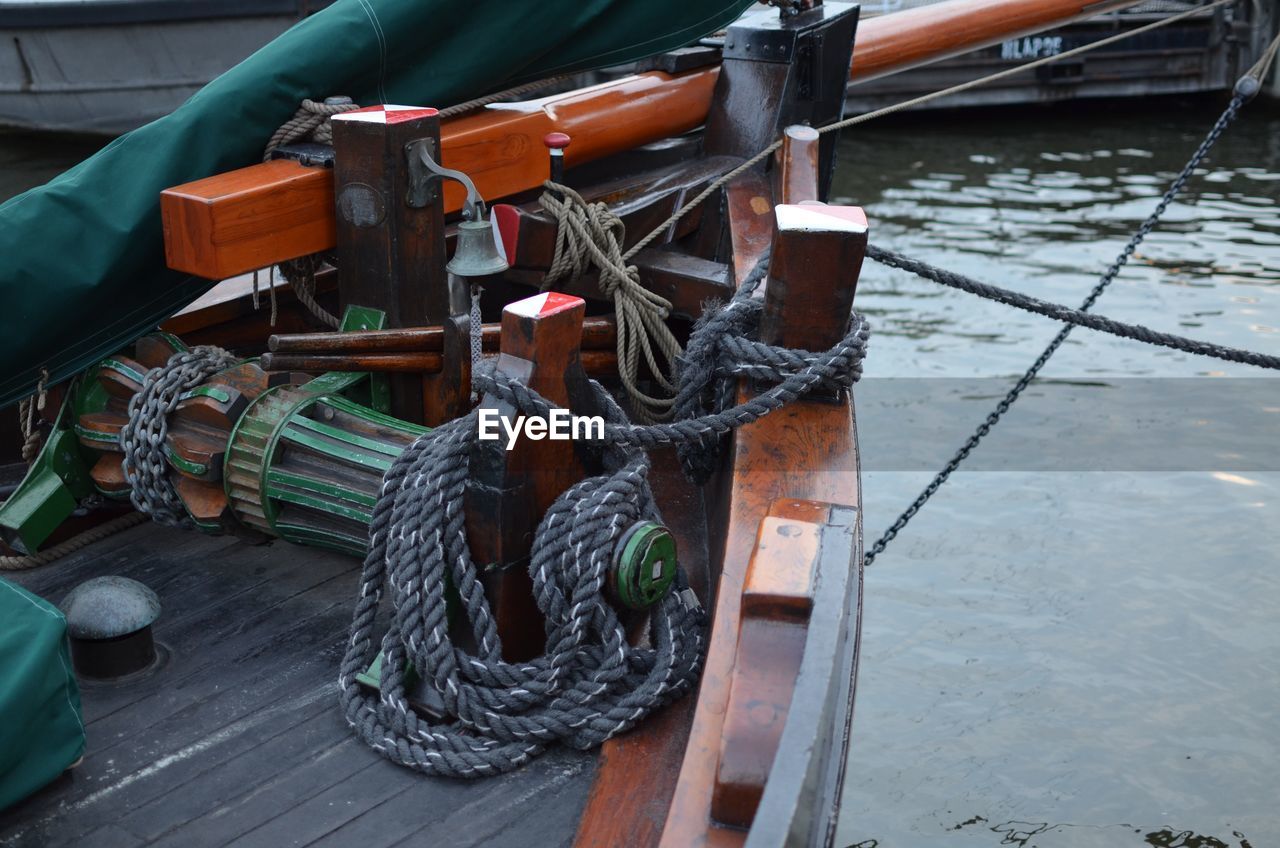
{"type": "Point", "coordinates": [311, 120]}
{"type": "Point", "coordinates": [587, 686]}
{"type": "Point", "coordinates": [590, 235]}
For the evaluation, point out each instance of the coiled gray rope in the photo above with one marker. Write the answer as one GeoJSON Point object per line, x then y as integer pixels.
{"type": "Point", "coordinates": [589, 685]}
{"type": "Point", "coordinates": [836, 368]}
{"type": "Point", "coordinates": [143, 438]}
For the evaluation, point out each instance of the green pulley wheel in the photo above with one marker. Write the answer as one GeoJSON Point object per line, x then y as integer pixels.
{"type": "Point", "coordinates": [644, 565]}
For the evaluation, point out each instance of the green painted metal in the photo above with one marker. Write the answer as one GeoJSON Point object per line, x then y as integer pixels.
{"type": "Point", "coordinates": [285, 479]}
{"type": "Point", "coordinates": [362, 318]}
{"type": "Point", "coordinates": [218, 393]}
{"type": "Point", "coordinates": [305, 462]}
{"type": "Point", "coordinates": [355, 544]}
{"type": "Point", "coordinates": [644, 565]}
{"type": "Point", "coordinates": [51, 491]}
{"type": "Point", "coordinates": [195, 469]}
{"type": "Point", "coordinates": [127, 370]}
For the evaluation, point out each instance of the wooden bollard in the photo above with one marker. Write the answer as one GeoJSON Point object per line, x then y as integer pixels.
{"type": "Point", "coordinates": [391, 247]}
{"type": "Point", "coordinates": [510, 490]}
{"type": "Point", "coordinates": [813, 274]}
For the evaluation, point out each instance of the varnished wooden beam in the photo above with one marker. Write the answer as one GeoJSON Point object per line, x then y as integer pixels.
{"type": "Point", "coordinates": [597, 333]}
{"type": "Point", "coordinates": [596, 363]}
{"type": "Point", "coordinates": [257, 216]}
{"type": "Point", "coordinates": [231, 223]}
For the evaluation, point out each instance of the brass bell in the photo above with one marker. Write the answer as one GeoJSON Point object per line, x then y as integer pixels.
{"type": "Point", "coordinates": [476, 254]}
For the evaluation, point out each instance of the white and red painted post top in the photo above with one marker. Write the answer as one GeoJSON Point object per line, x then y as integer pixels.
{"type": "Point", "coordinates": [820, 218]}
{"type": "Point", "coordinates": [387, 114]}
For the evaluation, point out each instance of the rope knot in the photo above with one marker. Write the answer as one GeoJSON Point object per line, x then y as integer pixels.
{"type": "Point", "coordinates": [311, 120]}
{"type": "Point", "coordinates": [590, 235]}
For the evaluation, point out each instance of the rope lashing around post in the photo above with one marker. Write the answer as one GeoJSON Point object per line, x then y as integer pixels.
{"type": "Point", "coordinates": [589, 685]}
{"type": "Point", "coordinates": [311, 121]}
{"type": "Point", "coordinates": [702, 419]}
{"type": "Point", "coordinates": [143, 438]}
{"type": "Point", "coordinates": [589, 235]}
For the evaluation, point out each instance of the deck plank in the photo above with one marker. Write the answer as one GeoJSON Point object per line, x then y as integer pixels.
{"type": "Point", "coordinates": [237, 737]}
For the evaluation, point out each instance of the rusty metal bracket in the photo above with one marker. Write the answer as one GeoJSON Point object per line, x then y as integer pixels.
{"type": "Point", "coordinates": [424, 185]}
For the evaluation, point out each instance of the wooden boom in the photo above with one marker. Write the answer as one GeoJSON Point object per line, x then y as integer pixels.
{"type": "Point", "coordinates": [888, 44]}
{"type": "Point", "coordinates": [255, 217]}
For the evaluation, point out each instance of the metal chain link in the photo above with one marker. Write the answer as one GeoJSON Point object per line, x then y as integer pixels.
{"type": "Point", "coordinates": [144, 438]}
{"type": "Point", "coordinates": [1227, 116]}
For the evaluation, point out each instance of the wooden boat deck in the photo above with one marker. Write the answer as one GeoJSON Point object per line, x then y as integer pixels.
{"type": "Point", "coordinates": [237, 737]}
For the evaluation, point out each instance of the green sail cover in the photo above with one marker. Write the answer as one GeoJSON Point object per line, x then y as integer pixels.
{"type": "Point", "coordinates": [42, 732]}
{"type": "Point", "coordinates": [83, 272]}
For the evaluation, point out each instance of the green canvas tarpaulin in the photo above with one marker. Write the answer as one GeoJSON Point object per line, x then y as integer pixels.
{"type": "Point", "coordinates": [82, 257]}
{"type": "Point", "coordinates": [41, 732]}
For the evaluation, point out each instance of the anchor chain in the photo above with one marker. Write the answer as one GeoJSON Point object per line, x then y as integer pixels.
{"type": "Point", "coordinates": [1244, 91]}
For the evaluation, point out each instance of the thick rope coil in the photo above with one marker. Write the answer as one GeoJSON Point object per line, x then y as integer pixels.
{"type": "Point", "coordinates": [143, 438]}
{"type": "Point", "coordinates": [704, 406]}
{"type": "Point", "coordinates": [589, 235]}
{"type": "Point", "coordinates": [589, 685]}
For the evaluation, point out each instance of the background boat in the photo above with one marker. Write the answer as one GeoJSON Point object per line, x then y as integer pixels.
{"type": "Point", "coordinates": [108, 66]}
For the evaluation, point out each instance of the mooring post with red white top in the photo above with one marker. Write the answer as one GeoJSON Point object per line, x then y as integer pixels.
{"type": "Point", "coordinates": [516, 476]}
{"type": "Point", "coordinates": [391, 245]}
{"type": "Point", "coordinates": [813, 274]}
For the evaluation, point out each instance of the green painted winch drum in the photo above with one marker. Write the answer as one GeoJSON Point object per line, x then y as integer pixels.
{"type": "Point", "coordinates": [644, 565]}
{"type": "Point", "coordinates": [306, 463]}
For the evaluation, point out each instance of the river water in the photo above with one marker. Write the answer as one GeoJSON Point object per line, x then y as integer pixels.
{"type": "Point", "coordinates": [1075, 644]}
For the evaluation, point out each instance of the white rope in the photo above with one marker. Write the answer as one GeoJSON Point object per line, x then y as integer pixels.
{"type": "Point", "coordinates": [590, 235]}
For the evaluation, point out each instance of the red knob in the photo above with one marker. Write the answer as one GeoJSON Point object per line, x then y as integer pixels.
{"type": "Point", "coordinates": [556, 140]}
